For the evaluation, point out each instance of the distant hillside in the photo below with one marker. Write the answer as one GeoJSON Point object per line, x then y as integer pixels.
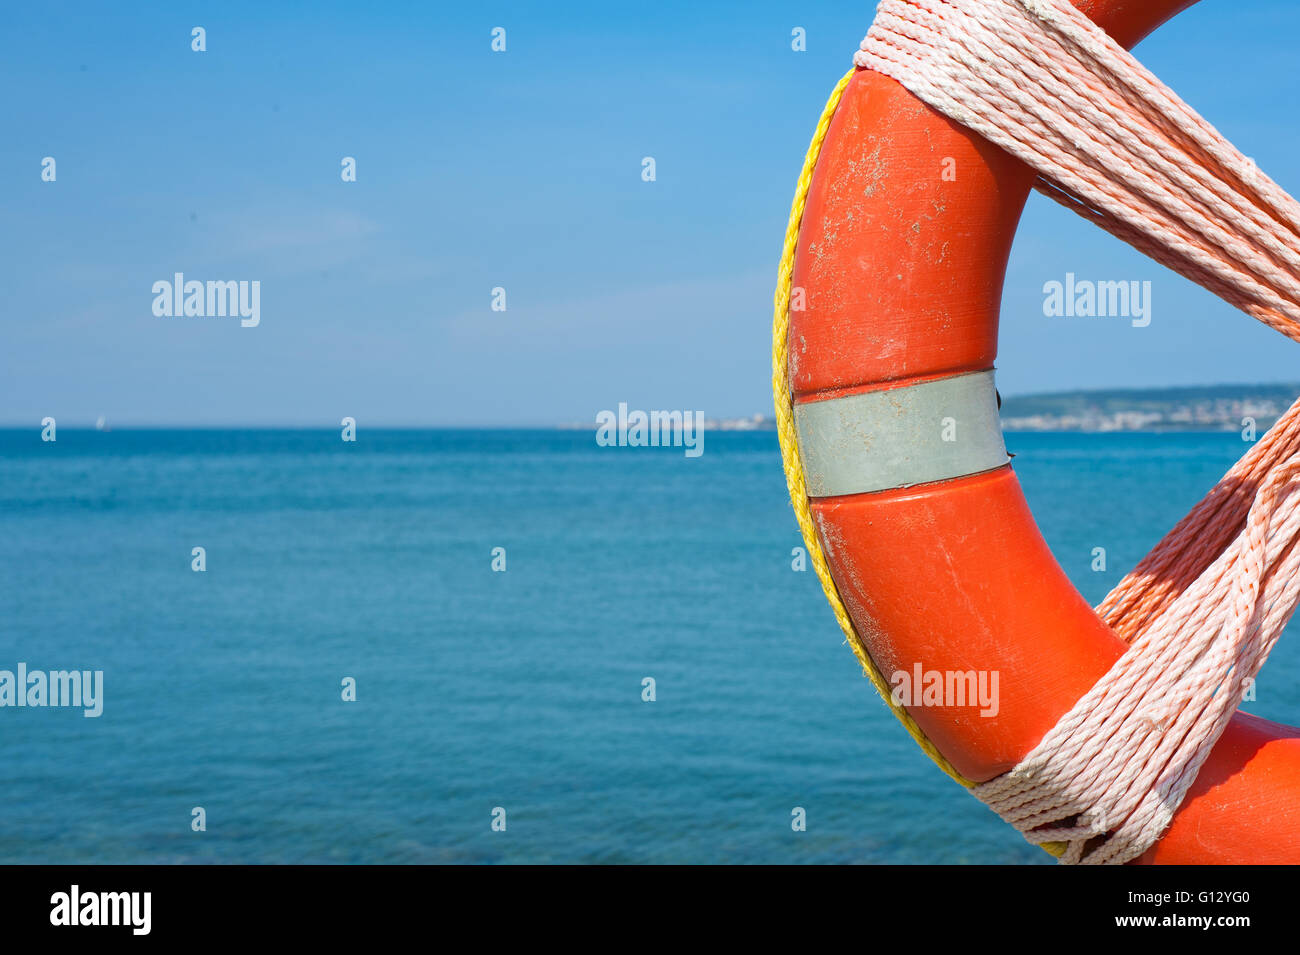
{"type": "Point", "coordinates": [1197, 408]}
{"type": "Point", "coordinates": [1209, 407]}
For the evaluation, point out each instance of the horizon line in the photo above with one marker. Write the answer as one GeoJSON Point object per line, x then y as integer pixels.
{"type": "Point", "coordinates": [136, 425]}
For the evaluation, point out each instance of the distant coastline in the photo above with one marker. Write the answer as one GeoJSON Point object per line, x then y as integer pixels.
{"type": "Point", "coordinates": [1208, 408]}
{"type": "Point", "coordinates": [1102, 411]}
{"type": "Point", "coordinates": [1188, 408]}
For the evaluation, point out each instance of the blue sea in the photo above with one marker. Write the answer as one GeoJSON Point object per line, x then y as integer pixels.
{"type": "Point", "coordinates": [479, 690]}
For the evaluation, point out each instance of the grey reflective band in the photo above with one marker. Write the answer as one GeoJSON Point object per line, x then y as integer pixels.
{"type": "Point", "coordinates": [914, 434]}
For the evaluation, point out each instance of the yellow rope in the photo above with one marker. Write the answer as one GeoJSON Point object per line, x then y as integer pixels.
{"type": "Point", "coordinates": [790, 447]}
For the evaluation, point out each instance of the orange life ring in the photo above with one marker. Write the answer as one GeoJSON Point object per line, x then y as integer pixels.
{"type": "Point", "coordinates": [937, 558]}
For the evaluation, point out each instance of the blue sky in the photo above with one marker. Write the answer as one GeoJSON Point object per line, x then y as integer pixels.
{"type": "Point", "coordinates": [519, 170]}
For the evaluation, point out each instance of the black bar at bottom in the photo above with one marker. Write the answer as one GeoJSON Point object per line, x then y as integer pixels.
{"type": "Point", "coordinates": [659, 905]}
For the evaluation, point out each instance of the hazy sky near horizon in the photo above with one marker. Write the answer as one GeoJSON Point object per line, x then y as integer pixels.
{"type": "Point", "coordinates": [521, 170]}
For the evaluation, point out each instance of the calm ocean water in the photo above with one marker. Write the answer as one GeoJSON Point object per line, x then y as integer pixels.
{"type": "Point", "coordinates": [478, 689]}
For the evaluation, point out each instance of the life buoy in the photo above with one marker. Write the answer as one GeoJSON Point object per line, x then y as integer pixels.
{"type": "Point", "coordinates": [898, 275]}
